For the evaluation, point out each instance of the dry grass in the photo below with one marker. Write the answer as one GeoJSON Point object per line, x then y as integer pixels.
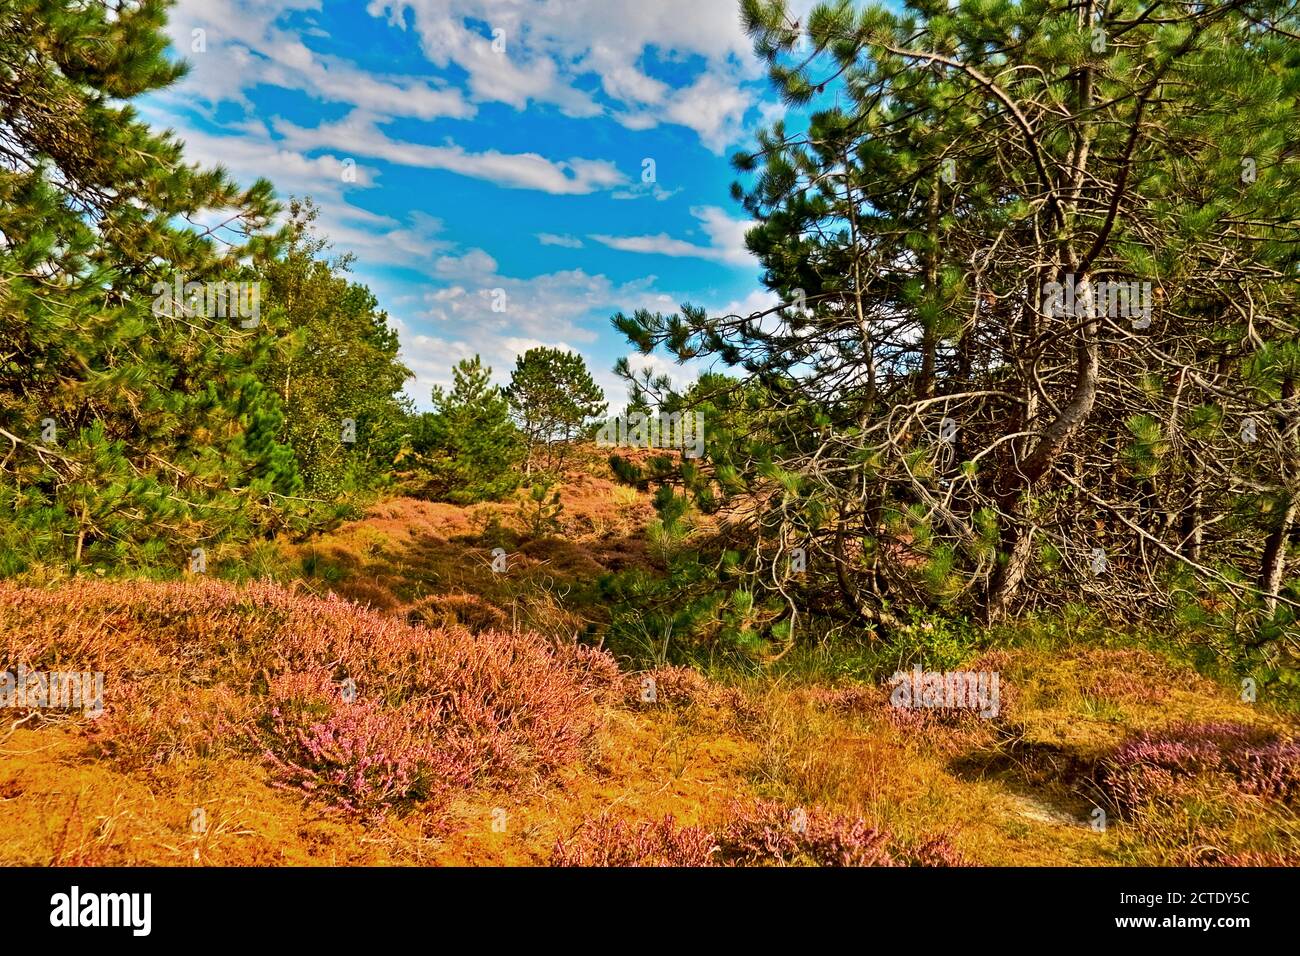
{"type": "Point", "coordinates": [483, 734]}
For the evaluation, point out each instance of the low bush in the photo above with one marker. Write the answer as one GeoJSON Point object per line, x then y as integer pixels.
{"type": "Point", "coordinates": [196, 666]}
{"type": "Point", "coordinates": [765, 833]}
{"type": "Point", "coordinates": [608, 841]}
{"type": "Point", "coordinates": [1159, 767]}
{"type": "Point", "coordinates": [357, 754]}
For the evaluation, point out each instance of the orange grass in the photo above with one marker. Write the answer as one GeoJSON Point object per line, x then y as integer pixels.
{"type": "Point", "coordinates": [396, 701]}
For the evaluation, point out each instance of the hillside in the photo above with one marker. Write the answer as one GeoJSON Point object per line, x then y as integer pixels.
{"type": "Point", "coordinates": [381, 695]}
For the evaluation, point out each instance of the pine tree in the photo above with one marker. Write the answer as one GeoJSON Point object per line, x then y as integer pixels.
{"type": "Point", "coordinates": [471, 447]}
{"type": "Point", "coordinates": [937, 422]}
{"type": "Point", "coordinates": [131, 421]}
{"type": "Point", "coordinates": [552, 397]}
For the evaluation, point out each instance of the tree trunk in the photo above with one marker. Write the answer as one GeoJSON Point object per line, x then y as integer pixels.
{"type": "Point", "coordinates": [1190, 531]}
{"type": "Point", "coordinates": [929, 341]}
{"type": "Point", "coordinates": [1272, 566]}
{"type": "Point", "coordinates": [1022, 480]}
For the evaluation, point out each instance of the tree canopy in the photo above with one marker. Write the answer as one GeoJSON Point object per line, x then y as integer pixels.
{"type": "Point", "coordinates": [154, 315]}
{"type": "Point", "coordinates": [552, 398]}
{"type": "Point", "coordinates": [469, 446]}
{"type": "Point", "coordinates": [1037, 340]}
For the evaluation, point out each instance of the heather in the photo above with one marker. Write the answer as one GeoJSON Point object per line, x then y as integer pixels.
{"type": "Point", "coordinates": [361, 709]}
{"type": "Point", "coordinates": [763, 833]}
{"type": "Point", "coordinates": [774, 834]}
{"type": "Point", "coordinates": [610, 841]}
{"type": "Point", "coordinates": [1164, 764]}
{"type": "Point", "coordinates": [675, 686]}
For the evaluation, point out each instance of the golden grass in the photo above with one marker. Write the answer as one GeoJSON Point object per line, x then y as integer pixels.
{"type": "Point", "coordinates": [1015, 791]}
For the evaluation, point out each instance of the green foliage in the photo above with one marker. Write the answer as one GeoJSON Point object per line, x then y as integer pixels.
{"type": "Point", "coordinates": [626, 471]}
{"type": "Point", "coordinates": [935, 641]}
{"type": "Point", "coordinates": [336, 372]}
{"type": "Point", "coordinates": [697, 609]}
{"type": "Point", "coordinates": [468, 449]}
{"type": "Point", "coordinates": [539, 509]}
{"type": "Point", "coordinates": [552, 398]}
{"type": "Point", "coordinates": [135, 427]}
{"type": "Point", "coordinates": [1147, 448]}
{"type": "Point", "coordinates": [913, 409]}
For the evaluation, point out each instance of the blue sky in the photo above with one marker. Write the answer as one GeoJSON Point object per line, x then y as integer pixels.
{"type": "Point", "coordinates": [481, 153]}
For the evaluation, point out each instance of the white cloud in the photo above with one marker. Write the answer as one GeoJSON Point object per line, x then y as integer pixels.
{"type": "Point", "coordinates": [547, 307]}
{"type": "Point", "coordinates": [581, 58]}
{"type": "Point", "coordinates": [520, 346]}
{"type": "Point", "coordinates": [640, 190]}
{"type": "Point", "coordinates": [431, 359]}
{"type": "Point", "coordinates": [409, 245]}
{"type": "Point", "coordinates": [255, 155]}
{"type": "Point", "coordinates": [457, 320]}
{"type": "Point", "coordinates": [760, 300]}
{"type": "Point", "coordinates": [359, 133]}
{"type": "Point", "coordinates": [725, 233]}
{"type": "Point", "coordinates": [657, 365]}
{"type": "Point", "coordinates": [473, 266]}
{"type": "Point", "coordinates": [726, 240]}
{"type": "Point", "coordinates": [554, 54]}
{"type": "Point", "coordinates": [681, 376]}
{"type": "Point", "coordinates": [551, 46]}
{"type": "Point", "coordinates": [551, 239]}
{"type": "Point", "coordinates": [243, 48]}
{"type": "Point", "coordinates": [714, 106]}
